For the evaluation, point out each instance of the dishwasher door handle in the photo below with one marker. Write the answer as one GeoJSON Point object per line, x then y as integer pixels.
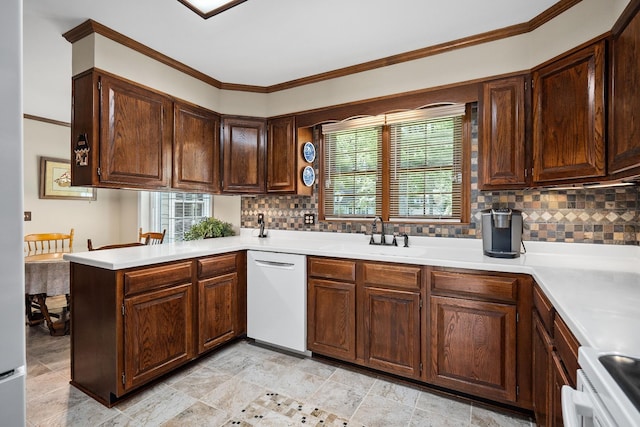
{"type": "Point", "coordinates": [276, 264]}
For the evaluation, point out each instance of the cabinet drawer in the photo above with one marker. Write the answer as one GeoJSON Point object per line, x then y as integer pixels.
{"type": "Point", "coordinates": [502, 288]}
{"type": "Point", "coordinates": [401, 276]}
{"type": "Point", "coordinates": [216, 265]}
{"type": "Point", "coordinates": [143, 280]}
{"type": "Point", "coordinates": [333, 269]}
{"type": "Point", "coordinates": [544, 307]}
{"type": "Point", "coordinates": [567, 347]}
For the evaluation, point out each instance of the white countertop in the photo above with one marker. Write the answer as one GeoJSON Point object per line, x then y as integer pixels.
{"type": "Point", "coordinates": [594, 288]}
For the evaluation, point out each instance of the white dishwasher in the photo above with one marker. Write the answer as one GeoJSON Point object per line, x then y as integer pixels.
{"type": "Point", "coordinates": [277, 299]}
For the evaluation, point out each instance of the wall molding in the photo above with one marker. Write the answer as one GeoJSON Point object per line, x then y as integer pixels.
{"type": "Point", "coordinates": [46, 120]}
{"type": "Point", "coordinates": [90, 26]}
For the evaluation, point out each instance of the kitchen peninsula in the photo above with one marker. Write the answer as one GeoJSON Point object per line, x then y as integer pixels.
{"type": "Point", "coordinates": [584, 284]}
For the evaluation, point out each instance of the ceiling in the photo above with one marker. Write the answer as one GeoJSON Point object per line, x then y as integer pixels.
{"type": "Point", "coordinates": [264, 43]}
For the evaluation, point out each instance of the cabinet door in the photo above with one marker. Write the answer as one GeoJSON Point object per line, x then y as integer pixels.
{"type": "Point", "coordinates": [281, 156]}
{"type": "Point", "coordinates": [331, 318]}
{"type": "Point", "coordinates": [502, 161]}
{"type": "Point", "coordinates": [559, 378]}
{"type": "Point", "coordinates": [568, 112]}
{"type": "Point", "coordinates": [135, 135]}
{"type": "Point", "coordinates": [624, 129]}
{"type": "Point", "coordinates": [542, 377]}
{"type": "Point", "coordinates": [473, 347]}
{"type": "Point", "coordinates": [392, 331]}
{"type": "Point", "coordinates": [217, 310]}
{"type": "Point", "coordinates": [196, 155]}
{"type": "Point", "coordinates": [243, 153]}
{"type": "Point", "coordinates": [158, 333]}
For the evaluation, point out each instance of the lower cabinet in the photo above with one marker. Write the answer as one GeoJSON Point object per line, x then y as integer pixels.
{"type": "Point", "coordinates": [463, 330]}
{"type": "Point", "coordinates": [392, 296]}
{"type": "Point", "coordinates": [331, 307]}
{"type": "Point", "coordinates": [555, 361]}
{"type": "Point", "coordinates": [131, 326]}
{"type": "Point", "coordinates": [157, 333]}
{"type": "Point", "coordinates": [475, 344]}
{"type": "Point", "coordinates": [218, 320]}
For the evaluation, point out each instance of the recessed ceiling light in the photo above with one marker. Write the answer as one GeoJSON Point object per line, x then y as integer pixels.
{"type": "Point", "coordinates": [209, 8]}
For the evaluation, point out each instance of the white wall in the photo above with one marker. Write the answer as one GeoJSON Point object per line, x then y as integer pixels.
{"type": "Point", "coordinates": [112, 218]}
{"type": "Point", "coordinates": [584, 21]}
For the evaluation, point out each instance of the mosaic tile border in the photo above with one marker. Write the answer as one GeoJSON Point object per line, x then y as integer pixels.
{"type": "Point", "coordinates": [604, 215]}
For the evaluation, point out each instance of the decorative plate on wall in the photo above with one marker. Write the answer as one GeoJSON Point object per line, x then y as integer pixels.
{"type": "Point", "coordinates": [309, 152]}
{"type": "Point", "coordinates": [308, 176]}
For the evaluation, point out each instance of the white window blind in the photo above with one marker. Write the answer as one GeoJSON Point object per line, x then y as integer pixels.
{"type": "Point", "coordinates": [352, 173]}
{"type": "Point", "coordinates": [177, 212]}
{"type": "Point", "coordinates": [426, 164]}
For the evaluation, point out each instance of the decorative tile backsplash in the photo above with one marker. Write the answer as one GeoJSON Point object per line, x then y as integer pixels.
{"type": "Point", "coordinates": [604, 215]}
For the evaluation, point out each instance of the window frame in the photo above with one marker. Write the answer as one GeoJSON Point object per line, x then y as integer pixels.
{"type": "Point", "coordinates": [465, 190]}
{"type": "Point", "coordinates": [154, 215]}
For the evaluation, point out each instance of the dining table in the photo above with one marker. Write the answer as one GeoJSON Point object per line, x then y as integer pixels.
{"type": "Point", "coordinates": [46, 275]}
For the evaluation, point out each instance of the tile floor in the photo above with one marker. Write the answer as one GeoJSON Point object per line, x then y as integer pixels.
{"type": "Point", "coordinates": [243, 385]}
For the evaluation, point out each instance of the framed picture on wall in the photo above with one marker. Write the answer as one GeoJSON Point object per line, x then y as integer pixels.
{"type": "Point", "coordinates": [55, 181]}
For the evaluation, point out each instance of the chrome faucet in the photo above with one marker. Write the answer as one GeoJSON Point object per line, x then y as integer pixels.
{"type": "Point", "coordinates": [374, 229]}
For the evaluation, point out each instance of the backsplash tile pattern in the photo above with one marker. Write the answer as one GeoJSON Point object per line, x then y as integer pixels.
{"type": "Point", "coordinates": [604, 215]}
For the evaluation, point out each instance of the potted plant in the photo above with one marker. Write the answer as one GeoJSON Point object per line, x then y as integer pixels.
{"type": "Point", "coordinates": [209, 227]}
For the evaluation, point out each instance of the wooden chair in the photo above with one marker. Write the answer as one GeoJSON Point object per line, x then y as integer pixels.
{"type": "Point", "coordinates": [49, 242]}
{"type": "Point", "coordinates": [151, 237]}
{"type": "Point", "coordinates": [36, 309]}
{"type": "Point", "coordinates": [116, 246]}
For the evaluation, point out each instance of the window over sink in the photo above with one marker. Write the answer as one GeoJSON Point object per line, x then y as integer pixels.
{"type": "Point", "coordinates": [403, 166]}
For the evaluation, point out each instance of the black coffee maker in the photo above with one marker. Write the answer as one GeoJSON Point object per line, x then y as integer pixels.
{"type": "Point", "coordinates": [502, 232]}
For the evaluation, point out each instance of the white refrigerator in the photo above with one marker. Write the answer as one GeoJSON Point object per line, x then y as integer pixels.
{"type": "Point", "coordinates": [12, 320]}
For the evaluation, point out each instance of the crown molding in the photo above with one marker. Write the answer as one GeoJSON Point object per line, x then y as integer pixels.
{"type": "Point", "coordinates": [88, 27]}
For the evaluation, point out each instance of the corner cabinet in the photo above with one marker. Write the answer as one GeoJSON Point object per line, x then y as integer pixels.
{"type": "Point", "coordinates": [555, 361]}
{"type": "Point", "coordinates": [124, 135]}
{"type": "Point", "coordinates": [131, 326]}
{"type": "Point", "coordinates": [196, 149]}
{"type": "Point", "coordinates": [569, 117]}
{"type": "Point", "coordinates": [503, 144]}
{"type": "Point", "coordinates": [243, 155]}
{"type": "Point", "coordinates": [624, 107]}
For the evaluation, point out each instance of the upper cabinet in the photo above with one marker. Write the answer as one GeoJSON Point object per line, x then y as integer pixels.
{"type": "Point", "coordinates": [624, 107]}
{"type": "Point", "coordinates": [196, 156]}
{"type": "Point", "coordinates": [502, 143]}
{"type": "Point", "coordinates": [569, 117]}
{"type": "Point", "coordinates": [128, 136]}
{"type": "Point", "coordinates": [243, 155]}
{"type": "Point", "coordinates": [281, 155]}
{"type": "Point", "coordinates": [127, 131]}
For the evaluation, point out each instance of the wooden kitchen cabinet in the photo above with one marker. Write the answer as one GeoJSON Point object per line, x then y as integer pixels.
{"type": "Point", "coordinates": [281, 155]}
{"type": "Point", "coordinates": [218, 320]}
{"type": "Point", "coordinates": [196, 149]}
{"type": "Point", "coordinates": [391, 311]}
{"type": "Point", "coordinates": [569, 117]}
{"type": "Point", "coordinates": [477, 342]}
{"type": "Point", "coordinates": [140, 138]}
{"type": "Point", "coordinates": [243, 155]}
{"type": "Point", "coordinates": [503, 138]}
{"type": "Point", "coordinates": [624, 99]}
{"type": "Point", "coordinates": [331, 307]}
{"type": "Point", "coordinates": [555, 361]}
{"type": "Point", "coordinates": [542, 373]}
{"type": "Point", "coordinates": [131, 326]}
{"type": "Point", "coordinates": [129, 133]}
